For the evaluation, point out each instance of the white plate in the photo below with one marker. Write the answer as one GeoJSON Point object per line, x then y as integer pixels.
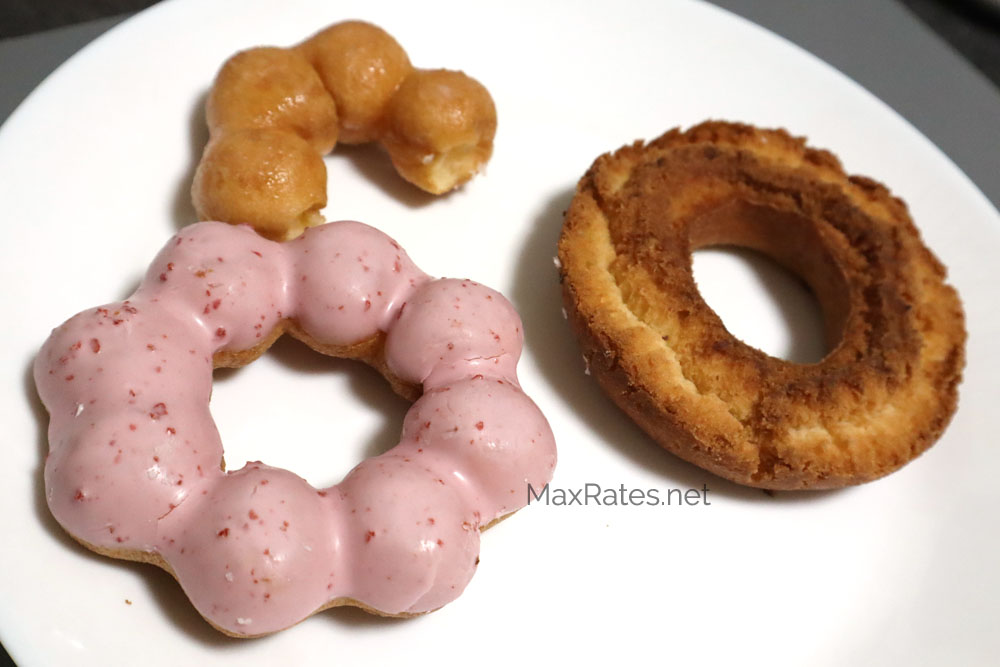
{"type": "Point", "coordinates": [95, 168]}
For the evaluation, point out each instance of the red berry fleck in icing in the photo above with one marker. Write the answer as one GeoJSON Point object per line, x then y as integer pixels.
{"type": "Point", "coordinates": [318, 305]}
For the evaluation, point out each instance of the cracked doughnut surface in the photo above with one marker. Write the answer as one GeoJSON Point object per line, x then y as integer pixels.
{"type": "Point", "coordinates": [881, 396]}
{"type": "Point", "coordinates": [134, 469]}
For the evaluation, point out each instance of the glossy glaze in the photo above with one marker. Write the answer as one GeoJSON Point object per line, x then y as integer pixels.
{"type": "Point", "coordinates": [134, 452]}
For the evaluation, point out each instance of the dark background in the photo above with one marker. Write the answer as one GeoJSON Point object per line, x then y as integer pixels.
{"type": "Point", "coordinates": [970, 26]}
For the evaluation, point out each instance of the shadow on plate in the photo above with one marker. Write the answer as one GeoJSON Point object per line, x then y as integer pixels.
{"type": "Point", "coordinates": [183, 209]}
{"type": "Point", "coordinates": [364, 381]}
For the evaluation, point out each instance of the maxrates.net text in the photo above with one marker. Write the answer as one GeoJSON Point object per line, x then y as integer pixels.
{"type": "Point", "coordinates": [592, 493]}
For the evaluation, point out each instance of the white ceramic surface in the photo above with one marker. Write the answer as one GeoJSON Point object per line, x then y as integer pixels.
{"type": "Point", "coordinates": [94, 170]}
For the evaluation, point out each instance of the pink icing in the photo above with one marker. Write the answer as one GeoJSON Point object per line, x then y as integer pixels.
{"type": "Point", "coordinates": [134, 452]}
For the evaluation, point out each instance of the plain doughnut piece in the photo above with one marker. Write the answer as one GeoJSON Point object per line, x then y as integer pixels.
{"type": "Point", "coordinates": [881, 396]}
{"type": "Point", "coordinates": [439, 129]}
{"type": "Point", "coordinates": [268, 178]}
{"type": "Point", "coordinates": [268, 87]}
{"type": "Point", "coordinates": [351, 82]}
{"type": "Point", "coordinates": [362, 66]}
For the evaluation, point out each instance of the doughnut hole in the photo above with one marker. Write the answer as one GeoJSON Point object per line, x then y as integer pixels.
{"type": "Point", "coordinates": [794, 243]}
{"type": "Point", "coordinates": [450, 329]}
{"type": "Point", "coordinates": [361, 66]}
{"type": "Point", "coordinates": [414, 541]}
{"type": "Point", "coordinates": [492, 435]}
{"type": "Point", "coordinates": [268, 178]}
{"type": "Point", "coordinates": [259, 541]}
{"type": "Point", "coordinates": [439, 129]}
{"type": "Point", "coordinates": [269, 87]}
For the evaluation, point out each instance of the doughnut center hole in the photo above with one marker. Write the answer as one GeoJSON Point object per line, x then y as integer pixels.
{"type": "Point", "coordinates": [771, 279]}
{"type": "Point", "coordinates": [297, 409]}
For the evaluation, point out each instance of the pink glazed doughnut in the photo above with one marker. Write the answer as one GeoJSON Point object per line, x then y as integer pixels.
{"type": "Point", "coordinates": [134, 469]}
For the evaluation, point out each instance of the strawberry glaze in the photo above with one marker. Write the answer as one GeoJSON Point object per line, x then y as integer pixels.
{"type": "Point", "coordinates": [134, 452]}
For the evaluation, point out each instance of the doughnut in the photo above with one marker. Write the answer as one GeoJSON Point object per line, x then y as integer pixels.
{"type": "Point", "coordinates": [268, 87]}
{"type": "Point", "coordinates": [135, 468]}
{"type": "Point", "coordinates": [268, 178]}
{"type": "Point", "coordinates": [439, 128]}
{"type": "Point", "coordinates": [884, 392]}
{"type": "Point", "coordinates": [362, 66]}
{"type": "Point", "coordinates": [351, 82]}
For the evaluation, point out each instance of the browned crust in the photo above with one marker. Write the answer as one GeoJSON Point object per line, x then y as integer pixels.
{"type": "Point", "coordinates": [882, 395]}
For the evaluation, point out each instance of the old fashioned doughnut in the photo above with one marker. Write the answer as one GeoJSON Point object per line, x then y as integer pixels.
{"type": "Point", "coordinates": [350, 82]}
{"type": "Point", "coordinates": [134, 465]}
{"type": "Point", "coordinates": [882, 395]}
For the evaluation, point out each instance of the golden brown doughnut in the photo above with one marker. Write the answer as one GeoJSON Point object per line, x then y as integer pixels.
{"type": "Point", "coordinates": [881, 396]}
{"type": "Point", "coordinates": [275, 88]}
{"type": "Point", "coordinates": [350, 82]}
{"type": "Point", "coordinates": [269, 178]}
{"type": "Point", "coordinates": [362, 66]}
{"type": "Point", "coordinates": [439, 129]}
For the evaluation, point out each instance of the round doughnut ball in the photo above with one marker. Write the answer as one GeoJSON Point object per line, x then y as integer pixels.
{"type": "Point", "coordinates": [256, 549]}
{"type": "Point", "coordinates": [362, 66]}
{"type": "Point", "coordinates": [277, 88]}
{"type": "Point", "coordinates": [439, 129]}
{"type": "Point", "coordinates": [271, 179]}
